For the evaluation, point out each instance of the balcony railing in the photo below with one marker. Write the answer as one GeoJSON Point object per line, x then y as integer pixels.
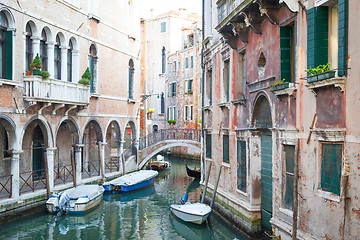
{"type": "Point", "coordinates": [226, 7]}
{"type": "Point", "coordinates": [56, 91]}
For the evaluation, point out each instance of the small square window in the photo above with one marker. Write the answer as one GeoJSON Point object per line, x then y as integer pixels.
{"type": "Point", "coordinates": [163, 27]}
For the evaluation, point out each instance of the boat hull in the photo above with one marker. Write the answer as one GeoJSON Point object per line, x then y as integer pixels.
{"type": "Point", "coordinates": [124, 188]}
{"type": "Point", "coordinates": [189, 217]}
{"type": "Point", "coordinates": [193, 173]}
{"type": "Point", "coordinates": [75, 206]}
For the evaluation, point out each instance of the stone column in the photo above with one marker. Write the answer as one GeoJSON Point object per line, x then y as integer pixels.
{"type": "Point", "coordinates": [50, 53]}
{"type": "Point", "coordinates": [50, 166]}
{"type": "Point", "coordinates": [75, 66]}
{"type": "Point", "coordinates": [63, 63]}
{"type": "Point", "coordinates": [35, 45]}
{"type": "Point", "coordinates": [102, 158]}
{"type": "Point", "coordinates": [78, 155]}
{"type": "Point", "coordinates": [120, 154]}
{"type": "Point", "coordinates": [15, 171]}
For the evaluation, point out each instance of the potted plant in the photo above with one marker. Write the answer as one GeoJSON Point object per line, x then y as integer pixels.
{"type": "Point", "coordinates": [36, 65]}
{"type": "Point", "coordinates": [171, 121]}
{"type": "Point", "coordinates": [319, 73]}
{"type": "Point", "coordinates": [86, 77]}
{"type": "Point", "coordinates": [150, 110]}
{"type": "Point", "coordinates": [190, 92]}
{"type": "Point", "coordinates": [199, 120]}
{"type": "Point", "coordinates": [279, 85]}
{"type": "Point", "coordinates": [28, 72]}
{"type": "Point", "coordinates": [44, 74]}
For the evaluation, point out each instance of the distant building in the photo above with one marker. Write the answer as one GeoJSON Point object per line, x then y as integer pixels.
{"type": "Point", "coordinates": [269, 124]}
{"type": "Point", "coordinates": [47, 123]}
{"type": "Point", "coordinates": [183, 97]}
{"type": "Point", "coordinates": [161, 36]}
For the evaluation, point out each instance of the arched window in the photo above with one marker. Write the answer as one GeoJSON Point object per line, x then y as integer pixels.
{"type": "Point", "coordinates": [69, 62]}
{"type": "Point", "coordinates": [131, 79]}
{"type": "Point", "coordinates": [163, 60]}
{"type": "Point", "coordinates": [5, 48]}
{"type": "Point", "coordinates": [92, 66]}
{"type": "Point", "coordinates": [57, 58]}
{"type": "Point", "coordinates": [29, 46]}
{"type": "Point", "coordinates": [43, 50]}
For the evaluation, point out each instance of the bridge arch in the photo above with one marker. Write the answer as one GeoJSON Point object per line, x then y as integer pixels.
{"type": "Point", "coordinates": [160, 146]}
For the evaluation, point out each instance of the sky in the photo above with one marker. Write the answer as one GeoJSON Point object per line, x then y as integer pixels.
{"type": "Point", "coordinates": [161, 6]}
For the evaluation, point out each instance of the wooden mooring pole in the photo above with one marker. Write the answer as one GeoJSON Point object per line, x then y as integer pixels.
{"type": "Point", "coordinates": [215, 189]}
{"type": "Point", "coordinates": [206, 182]}
{"type": "Point", "coordinates": [296, 194]}
{"type": "Point", "coordinates": [73, 165]}
{"type": "Point", "coordinates": [344, 182]}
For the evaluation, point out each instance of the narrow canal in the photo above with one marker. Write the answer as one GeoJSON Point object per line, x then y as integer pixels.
{"type": "Point", "coordinates": [143, 214]}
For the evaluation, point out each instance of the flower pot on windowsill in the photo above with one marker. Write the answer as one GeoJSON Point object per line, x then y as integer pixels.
{"type": "Point", "coordinates": [321, 76]}
{"type": "Point", "coordinates": [171, 121]}
{"type": "Point", "coordinates": [28, 73]}
{"type": "Point", "coordinates": [36, 72]}
{"type": "Point", "coordinates": [190, 92]}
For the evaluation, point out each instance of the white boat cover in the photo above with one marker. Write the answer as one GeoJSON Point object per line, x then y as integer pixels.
{"type": "Point", "coordinates": [91, 191]}
{"type": "Point", "coordinates": [133, 178]}
{"type": "Point", "coordinates": [193, 208]}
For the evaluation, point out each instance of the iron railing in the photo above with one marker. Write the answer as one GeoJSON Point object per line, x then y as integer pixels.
{"type": "Point", "coordinates": [170, 134]}
{"type": "Point", "coordinates": [6, 186]}
{"type": "Point", "coordinates": [63, 174]}
{"type": "Point", "coordinates": [32, 180]}
{"type": "Point", "coordinates": [92, 168]}
{"type": "Point", "coordinates": [113, 165]}
{"type": "Point", "coordinates": [130, 151]}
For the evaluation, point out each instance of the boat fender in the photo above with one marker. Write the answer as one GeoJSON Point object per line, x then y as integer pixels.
{"type": "Point", "coordinates": [184, 198]}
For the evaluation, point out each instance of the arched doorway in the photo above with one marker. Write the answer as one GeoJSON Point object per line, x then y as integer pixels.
{"type": "Point", "coordinates": [112, 147]}
{"type": "Point", "coordinates": [66, 138]}
{"type": "Point", "coordinates": [32, 161]}
{"type": "Point", "coordinates": [7, 136]}
{"type": "Point", "coordinates": [129, 140]}
{"type": "Point", "coordinates": [92, 140]}
{"type": "Point", "coordinates": [262, 123]}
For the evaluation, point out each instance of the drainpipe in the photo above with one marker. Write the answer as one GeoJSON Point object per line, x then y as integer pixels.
{"type": "Point", "coordinates": [202, 92]}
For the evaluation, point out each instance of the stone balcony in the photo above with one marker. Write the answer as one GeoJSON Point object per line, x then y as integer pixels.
{"type": "Point", "coordinates": [51, 91]}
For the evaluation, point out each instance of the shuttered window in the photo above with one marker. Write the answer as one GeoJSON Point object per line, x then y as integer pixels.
{"type": "Point", "coordinates": [317, 41]}
{"type": "Point", "coordinates": [208, 145]}
{"type": "Point", "coordinates": [241, 165]}
{"type": "Point", "coordinates": [343, 32]}
{"type": "Point", "coordinates": [8, 55]}
{"type": "Point", "coordinates": [288, 198]}
{"type": "Point", "coordinates": [226, 158]}
{"type": "Point", "coordinates": [287, 53]}
{"type": "Point", "coordinates": [331, 167]}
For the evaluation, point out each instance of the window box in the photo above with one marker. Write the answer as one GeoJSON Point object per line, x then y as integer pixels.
{"type": "Point", "coordinates": [280, 87]}
{"type": "Point", "coordinates": [190, 92]}
{"type": "Point", "coordinates": [321, 76]}
{"type": "Point", "coordinates": [171, 121]}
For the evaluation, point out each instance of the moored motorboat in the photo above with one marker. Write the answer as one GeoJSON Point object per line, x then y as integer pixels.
{"type": "Point", "coordinates": [131, 181]}
{"type": "Point", "coordinates": [195, 173]}
{"type": "Point", "coordinates": [76, 200]}
{"type": "Point", "coordinates": [159, 164]}
{"type": "Point", "coordinates": [191, 212]}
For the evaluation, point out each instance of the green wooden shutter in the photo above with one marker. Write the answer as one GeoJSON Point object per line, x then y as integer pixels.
{"type": "Point", "coordinates": [226, 148]}
{"type": "Point", "coordinates": [208, 145]}
{"type": "Point", "coordinates": [285, 53]}
{"type": "Point", "coordinates": [318, 34]}
{"type": "Point", "coordinates": [8, 55]}
{"type": "Point", "coordinates": [331, 167]}
{"type": "Point", "coordinates": [343, 38]}
{"type": "Point", "coordinates": [241, 170]}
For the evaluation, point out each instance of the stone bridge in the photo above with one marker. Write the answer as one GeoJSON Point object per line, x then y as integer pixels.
{"type": "Point", "coordinates": [154, 143]}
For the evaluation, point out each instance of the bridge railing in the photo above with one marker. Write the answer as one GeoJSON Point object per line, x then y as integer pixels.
{"type": "Point", "coordinates": [170, 134]}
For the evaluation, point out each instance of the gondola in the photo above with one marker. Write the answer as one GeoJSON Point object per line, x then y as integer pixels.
{"type": "Point", "coordinates": [196, 173]}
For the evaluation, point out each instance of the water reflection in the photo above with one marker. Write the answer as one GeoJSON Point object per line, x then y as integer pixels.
{"type": "Point", "coordinates": [142, 214]}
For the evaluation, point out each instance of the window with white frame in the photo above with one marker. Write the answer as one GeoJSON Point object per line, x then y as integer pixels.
{"type": "Point", "coordinates": [57, 58]}
{"type": "Point", "coordinates": [288, 176]}
{"type": "Point", "coordinates": [6, 46]}
{"type": "Point", "coordinates": [28, 45]}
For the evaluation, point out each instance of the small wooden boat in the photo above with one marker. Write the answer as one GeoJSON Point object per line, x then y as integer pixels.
{"type": "Point", "coordinates": [196, 173]}
{"type": "Point", "coordinates": [131, 181]}
{"type": "Point", "coordinates": [159, 164]}
{"type": "Point", "coordinates": [191, 212]}
{"type": "Point", "coordinates": [76, 200]}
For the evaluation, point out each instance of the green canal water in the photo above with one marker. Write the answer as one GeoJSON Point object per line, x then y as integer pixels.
{"type": "Point", "coordinates": [143, 214]}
